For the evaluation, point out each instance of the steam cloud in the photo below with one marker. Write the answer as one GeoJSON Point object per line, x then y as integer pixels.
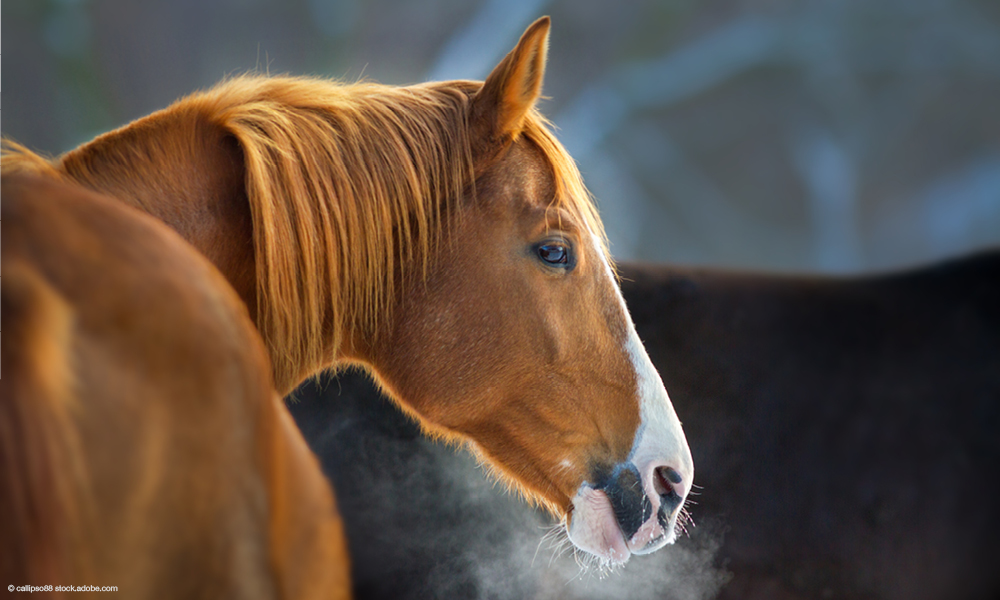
{"type": "Point", "coordinates": [424, 521]}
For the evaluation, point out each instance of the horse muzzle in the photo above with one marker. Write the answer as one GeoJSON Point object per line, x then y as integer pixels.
{"type": "Point", "coordinates": [628, 510]}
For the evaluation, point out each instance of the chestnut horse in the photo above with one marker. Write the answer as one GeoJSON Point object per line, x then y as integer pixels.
{"type": "Point", "coordinates": [142, 444]}
{"type": "Point", "coordinates": [439, 236]}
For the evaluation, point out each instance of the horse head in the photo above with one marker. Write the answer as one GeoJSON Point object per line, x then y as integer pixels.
{"type": "Point", "coordinates": [518, 337]}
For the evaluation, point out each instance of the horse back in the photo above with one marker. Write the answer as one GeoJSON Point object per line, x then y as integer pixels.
{"type": "Point", "coordinates": [846, 425]}
{"type": "Point", "coordinates": [143, 445]}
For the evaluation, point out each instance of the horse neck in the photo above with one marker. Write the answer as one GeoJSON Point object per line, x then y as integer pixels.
{"type": "Point", "coordinates": [185, 173]}
{"type": "Point", "coordinates": [188, 172]}
{"type": "Point", "coordinates": [315, 201]}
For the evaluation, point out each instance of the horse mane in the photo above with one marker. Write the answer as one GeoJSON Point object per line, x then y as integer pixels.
{"type": "Point", "coordinates": [350, 189]}
{"type": "Point", "coordinates": [346, 184]}
{"type": "Point", "coordinates": [16, 159]}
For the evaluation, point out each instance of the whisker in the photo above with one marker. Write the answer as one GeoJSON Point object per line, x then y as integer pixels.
{"type": "Point", "coordinates": [565, 546]}
{"type": "Point", "coordinates": [555, 539]}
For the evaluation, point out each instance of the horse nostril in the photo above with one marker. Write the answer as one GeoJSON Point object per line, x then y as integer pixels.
{"type": "Point", "coordinates": [669, 498]}
{"type": "Point", "coordinates": [670, 475]}
{"type": "Point", "coordinates": [665, 480]}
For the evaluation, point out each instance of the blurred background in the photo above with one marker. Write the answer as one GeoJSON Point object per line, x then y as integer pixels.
{"type": "Point", "coordinates": [835, 136]}
{"type": "Point", "coordinates": [832, 136]}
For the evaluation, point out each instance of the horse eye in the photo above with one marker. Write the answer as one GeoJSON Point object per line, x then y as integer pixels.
{"type": "Point", "coordinates": [554, 254]}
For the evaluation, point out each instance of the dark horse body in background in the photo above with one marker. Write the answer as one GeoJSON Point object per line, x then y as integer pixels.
{"type": "Point", "coordinates": [847, 433]}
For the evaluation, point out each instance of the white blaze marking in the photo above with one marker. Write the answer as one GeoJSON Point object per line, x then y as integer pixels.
{"type": "Point", "coordinates": [660, 436]}
{"type": "Point", "coordinates": [659, 441]}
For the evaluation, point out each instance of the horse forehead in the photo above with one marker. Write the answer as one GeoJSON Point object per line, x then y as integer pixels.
{"type": "Point", "coordinates": [522, 175]}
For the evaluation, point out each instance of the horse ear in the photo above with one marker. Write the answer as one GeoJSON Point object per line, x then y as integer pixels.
{"type": "Point", "coordinates": [499, 107]}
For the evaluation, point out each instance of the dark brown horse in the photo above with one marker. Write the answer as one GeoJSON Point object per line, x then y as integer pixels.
{"type": "Point", "coordinates": [846, 430]}
{"type": "Point", "coordinates": [848, 427]}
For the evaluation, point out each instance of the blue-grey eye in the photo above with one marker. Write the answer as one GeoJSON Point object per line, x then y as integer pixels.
{"type": "Point", "coordinates": [554, 254]}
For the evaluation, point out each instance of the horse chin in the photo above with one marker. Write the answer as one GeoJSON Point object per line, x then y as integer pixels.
{"type": "Point", "coordinates": [650, 539]}
{"type": "Point", "coordinates": [594, 529]}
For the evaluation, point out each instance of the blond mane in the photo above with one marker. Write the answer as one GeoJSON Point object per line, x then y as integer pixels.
{"type": "Point", "coordinates": [347, 185]}
{"type": "Point", "coordinates": [350, 187]}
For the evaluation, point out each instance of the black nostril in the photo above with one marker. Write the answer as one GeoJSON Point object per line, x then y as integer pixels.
{"type": "Point", "coordinates": [670, 475]}
{"type": "Point", "coordinates": [669, 498]}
